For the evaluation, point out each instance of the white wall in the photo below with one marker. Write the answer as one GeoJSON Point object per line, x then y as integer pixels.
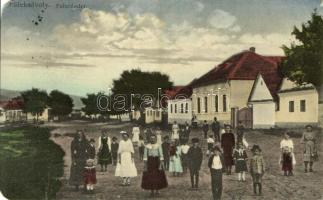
{"type": "Point", "coordinates": [180, 117]}
{"type": "Point", "coordinates": [236, 91]}
{"type": "Point", "coordinates": [263, 114]}
{"type": "Point", "coordinates": [153, 115]}
{"type": "Point", "coordinates": [284, 117]}
{"type": "Point", "coordinates": [260, 91]}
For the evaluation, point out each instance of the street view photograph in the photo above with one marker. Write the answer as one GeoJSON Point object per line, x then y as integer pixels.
{"type": "Point", "coordinates": [161, 99]}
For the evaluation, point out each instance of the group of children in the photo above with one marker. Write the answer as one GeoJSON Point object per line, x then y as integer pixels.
{"type": "Point", "coordinates": [178, 158]}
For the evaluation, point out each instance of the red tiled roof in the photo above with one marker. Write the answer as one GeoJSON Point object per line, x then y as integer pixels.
{"type": "Point", "coordinates": [171, 92]}
{"type": "Point", "coordinates": [245, 66]}
{"type": "Point", "coordinates": [186, 90]}
{"type": "Point", "coordinates": [13, 104]}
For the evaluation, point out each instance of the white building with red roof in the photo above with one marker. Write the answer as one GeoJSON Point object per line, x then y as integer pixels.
{"type": "Point", "coordinates": [224, 91]}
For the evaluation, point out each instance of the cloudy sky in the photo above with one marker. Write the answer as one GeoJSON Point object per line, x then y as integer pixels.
{"type": "Point", "coordinates": [82, 50]}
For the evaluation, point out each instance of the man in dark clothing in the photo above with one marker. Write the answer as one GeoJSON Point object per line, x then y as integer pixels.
{"type": "Point", "coordinates": [216, 165]}
{"type": "Point", "coordinates": [166, 147]}
{"type": "Point", "coordinates": [195, 157]}
{"type": "Point", "coordinates": [114, 150]}
{"type": "Point", "coordinates": [91, 149]}
{"type": "Point", "coordinates": [205, 128]}
{"type": "Point", "coordinates": [216, 129]}
{"type": "Point", "coordinates": [240, 132]}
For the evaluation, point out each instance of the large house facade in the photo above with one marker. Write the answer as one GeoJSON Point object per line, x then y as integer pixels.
{"type": "Point", "coordinates": [224, 91]}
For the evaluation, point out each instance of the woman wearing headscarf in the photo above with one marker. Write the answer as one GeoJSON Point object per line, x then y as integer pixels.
{"type": "Point", "coordinates": [79, 156]}
{"type": "Point", "coordinates": [126, 167]}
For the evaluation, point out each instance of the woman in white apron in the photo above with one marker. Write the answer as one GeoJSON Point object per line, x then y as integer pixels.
{"type": "Point", "coordinates": [126, 166]}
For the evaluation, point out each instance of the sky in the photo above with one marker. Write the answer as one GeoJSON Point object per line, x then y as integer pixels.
{"type": "Point", "coordinates": [83, 49]}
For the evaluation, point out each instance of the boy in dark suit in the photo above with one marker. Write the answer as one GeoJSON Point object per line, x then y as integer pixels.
{"type": "Point", "coordinates": [166, 147]}
{"type": "Point", "coordinates": [194, 157]}
{"type": "Point", "coordinates": [216, 165]}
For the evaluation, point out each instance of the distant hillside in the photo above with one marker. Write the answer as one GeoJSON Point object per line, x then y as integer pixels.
{"type": "Point", "coordinates": [8, 94]}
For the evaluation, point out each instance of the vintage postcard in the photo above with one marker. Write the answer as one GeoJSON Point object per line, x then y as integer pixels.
{"type": "Point", "coordinates": [161, 99]}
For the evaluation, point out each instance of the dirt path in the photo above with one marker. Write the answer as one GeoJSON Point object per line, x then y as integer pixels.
{"type": "Point", "coordinates": [275, 187]}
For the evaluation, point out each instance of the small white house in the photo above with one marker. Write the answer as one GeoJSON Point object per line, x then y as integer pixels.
{"type": "Point", "coordinates": [179, 110]}
{"type": "Point", "coordinates": [263, 104]}
{"type": "Point", "coordinates": [153, 115]}
{"type": "Point", "coordinates": [298, 105]}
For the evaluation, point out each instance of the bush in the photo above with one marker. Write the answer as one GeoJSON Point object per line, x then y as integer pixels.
{"type": "Point", "coordinates": [30, 164]}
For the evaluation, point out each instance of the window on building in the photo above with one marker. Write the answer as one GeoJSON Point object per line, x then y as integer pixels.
{"type": "Point", "coordinates": [151, 112]}
{"type": "Point", "coordinates": [303, 106]}
{"type": "Point", "coordinates": [291, 106]}
{"type": "Point", "coordinates": [175, 108]}
{"type": "Point", "coordinates": [182, 108]}
{"type": "Point", "coordinates": [216, 103]}
{"type": "Point", "coordinates": [224, 103]}
{"type": "Point", "coordinates": [198, 105]}
{"type": "Point", "coordinates": [186, 108]}
{"type": "Point", "coordinates": [171, 108]}
{"type": "Point", "coordinates": [205, 104]}
{"type": "Point", "coordinates": [157, 113]}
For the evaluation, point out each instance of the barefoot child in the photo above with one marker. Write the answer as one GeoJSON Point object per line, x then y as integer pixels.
{"type": "Point", "coordinates": [257, 169]}
{"type": "Point", "coordinates": [240, 159]}
{"type": "Point", "coordinates": [89, 175]}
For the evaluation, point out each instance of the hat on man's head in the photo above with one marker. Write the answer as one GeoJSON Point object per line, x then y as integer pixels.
{"type": "Point", "coordinates": [124, 133]}
{"type": "Point", "coordinates": [195, 140]}
{"type": "Point", "coordinates": [308, 126]}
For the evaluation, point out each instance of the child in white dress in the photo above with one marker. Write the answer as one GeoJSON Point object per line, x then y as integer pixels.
{"type": "Point", "coordinates": [126, 167]}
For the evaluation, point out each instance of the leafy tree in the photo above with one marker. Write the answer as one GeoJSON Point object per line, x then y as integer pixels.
{"type": "Point", "coordinates": [135, 83]}
{"type": "Point", "coordinates": [31, 164]}
{"type": "Point", "coordinates": [304, 59]}
{"type": "Point", "coordinates": [35, 101]}
{"type": "Point", "coordinates": [94, 105]}
{"type": "Point", "coordinates": [60, 103]}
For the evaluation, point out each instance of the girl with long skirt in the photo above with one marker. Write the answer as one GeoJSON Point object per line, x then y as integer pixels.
{"type": "Point", "coordinates": [105, 157]}
{"type": "Point", "coordinates": [175, 164]}
{"type": "Point", "coordinates": [154, 178]}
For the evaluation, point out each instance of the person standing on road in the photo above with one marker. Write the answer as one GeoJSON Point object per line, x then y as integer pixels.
{"type": "Point", "coordinates": [166, 148]}
{"type": "Point", "coordinates": [216, 165]}
{"type": "Point", "coordinates": [194, 158]}
{"type": "Point", "coordinates": [153, 178]}
{"type": "Point", "coordinates": [310, 150]}
{"type": "Point", "coordinates": [287, 155]}
{"type": "Point", "coordinates": [126, 166]}
{"type": "Point", "coordinates": [205, 128]}
{"type": "Point", "coordinates": [257, 169]}
{"type": "Point", "coordinates": [105, 157]}
{"type": "Point", "coordinates": [240, 157]}
{"type": "Point", "coordinates": [79, 156]}
{"type": "Point", "coordinates": [175, 131]}
{"type": "Point", "coordinates": [228, 144]}
{"type": "Point", "coordinates": [216, 128]}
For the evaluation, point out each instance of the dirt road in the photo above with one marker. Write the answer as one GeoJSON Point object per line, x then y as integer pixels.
{"type": "Point", "coordinates": [275, 187]}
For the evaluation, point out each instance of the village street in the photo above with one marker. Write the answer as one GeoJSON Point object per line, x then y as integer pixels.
{"type": "Point", "coordinates": [275, 186]}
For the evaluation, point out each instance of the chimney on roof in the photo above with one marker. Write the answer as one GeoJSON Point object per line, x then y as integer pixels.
{"type": "Point", "coordinates": [252, 49]}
